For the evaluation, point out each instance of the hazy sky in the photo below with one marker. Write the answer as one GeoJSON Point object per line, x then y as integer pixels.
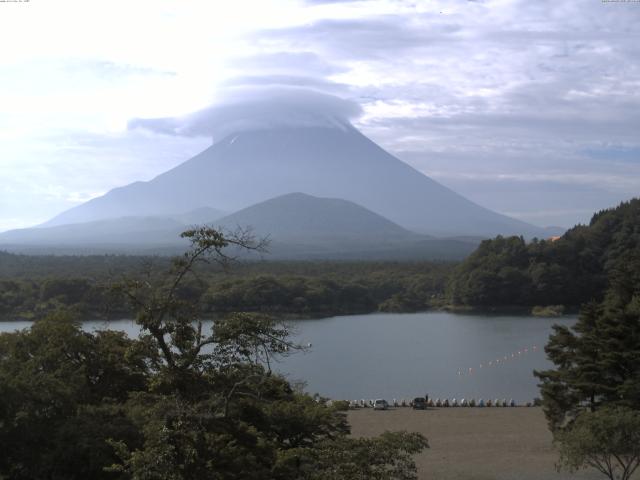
{"type": "Point", "coordinates": [528, 107]}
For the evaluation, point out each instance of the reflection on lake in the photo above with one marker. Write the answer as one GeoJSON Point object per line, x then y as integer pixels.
{"type": "Point", "coordinates": [405, 355]}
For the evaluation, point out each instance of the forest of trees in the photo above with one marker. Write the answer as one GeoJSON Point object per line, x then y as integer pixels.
{"type": "Point", "coordinates": [179, 402]}
{"type": "Point", "coordinates": [505, 271]}
{"type": "Point", "coordinates": [31, 290]}
{"type": "Point", "coordinates": [570, 271]}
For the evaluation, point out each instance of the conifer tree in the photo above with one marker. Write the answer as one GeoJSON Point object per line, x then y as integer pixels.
{"type": "Point", "coordinates": [598, 360]}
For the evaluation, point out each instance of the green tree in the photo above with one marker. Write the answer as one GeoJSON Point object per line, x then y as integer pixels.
{"type": "Point", "coordinates": [607, 440]}
{"type": "Point", "coordinates": [61, 390]}
{"type": "Point", "coordinates": [215, 409]}
{"type": "Point", "coordinates": [389, 456]}
{"type": "Point", "coordinates": [592, 398]}
{"type": "Point", "coordinates": [571, 270]}
{"type": "Point", "coordinates": [597, 361]}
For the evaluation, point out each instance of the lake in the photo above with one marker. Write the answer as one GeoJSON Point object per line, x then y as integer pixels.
{"type": "Point", "coordinates": [405, 355]}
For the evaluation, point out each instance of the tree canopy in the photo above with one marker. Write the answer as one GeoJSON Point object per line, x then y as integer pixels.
{"type": "Point", "coordinates": [598, 359]}
{"type": "Point", "coordinates": [32, 287]}
{"type": "Point", "coordinates": [607, 440]}
{"type": "Point", "coordinates": [179, 402]}
{"type": "Point", "coordinates": [592, 397]}
{"type": "Point", "coordinates": [571, 270]}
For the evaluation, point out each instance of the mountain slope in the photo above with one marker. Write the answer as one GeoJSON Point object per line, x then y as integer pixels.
{"type": "Point", "coordinates": [198, 216]}
{"type": "Point", "coordinates": [297, 216]}
{"type": "Point", "coordinates": [117, 231]}
{"type": "Point", "coordinates": [252, 166]}
{"type": "Point", "coordinates": [121, 232]}
{"type": "Point", "coordinates": [301, 226]}
{"type": "Point", "coordinates": [298, 226]}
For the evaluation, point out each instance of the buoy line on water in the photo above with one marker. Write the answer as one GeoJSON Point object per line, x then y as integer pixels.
{"type": "Point", "coordinates": [499, 360]}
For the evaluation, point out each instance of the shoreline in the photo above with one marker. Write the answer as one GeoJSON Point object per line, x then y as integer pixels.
{"type": "Point", "coordinates": [302, 316]}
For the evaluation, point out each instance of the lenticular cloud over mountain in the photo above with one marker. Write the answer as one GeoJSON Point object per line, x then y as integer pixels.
{"type": "Point", "coordinates": [258, 108]}
{"type": "Point", "coordinates": [352, 198]}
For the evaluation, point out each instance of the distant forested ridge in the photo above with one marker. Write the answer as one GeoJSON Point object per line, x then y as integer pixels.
{"type": "Point", "coordinates": [505, 271]}
{"type": "Point", "coordinates": [570, 270]}
{"type": "Point", "coordinates": [33, 286]}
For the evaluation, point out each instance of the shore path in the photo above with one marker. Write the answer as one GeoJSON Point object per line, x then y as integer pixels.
{"type": "Point", "coordinates": [474, 443]}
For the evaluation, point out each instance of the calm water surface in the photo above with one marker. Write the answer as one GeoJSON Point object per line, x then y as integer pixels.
{"type": "Point", "coordinates": [405, 355]}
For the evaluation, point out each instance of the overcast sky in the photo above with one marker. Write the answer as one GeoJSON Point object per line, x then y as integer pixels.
{"type": "Point", "coordinates": [531, 108]}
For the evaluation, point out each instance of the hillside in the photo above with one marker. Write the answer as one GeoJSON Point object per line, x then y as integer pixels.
{"type": "Point", "coordinates": [574, 269]}
{"type": "Point", "coordinates": [297, 216]}
{"type": "Point", "coordinates": [301, 226]}
{"type": "Point", "coordinates": [198, 216]}
{"type": "Point", "coordinates": [298, 226]}
{"type": "Point", "coordinates": [250, 167]}
{"type": "Point", "coordinates": [130, 234]}
{"type": "Point", "coordinates": [118, 231]}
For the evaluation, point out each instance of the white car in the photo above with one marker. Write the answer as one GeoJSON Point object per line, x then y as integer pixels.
{"type": "Point", "coordinates": [380, 404]}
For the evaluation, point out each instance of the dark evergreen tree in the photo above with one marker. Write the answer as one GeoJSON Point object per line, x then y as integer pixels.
{"type": "Point", "coordinates": [598, 360]}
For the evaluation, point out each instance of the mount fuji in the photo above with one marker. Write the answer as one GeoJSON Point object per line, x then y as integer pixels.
{"type": "Point", "coordinates": [337, 161]}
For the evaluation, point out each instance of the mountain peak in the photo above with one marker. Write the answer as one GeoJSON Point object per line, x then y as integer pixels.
{"type": "Point", "coordinates": [299, 215]}
{"type": "Point", "coordinates": [328, 161]}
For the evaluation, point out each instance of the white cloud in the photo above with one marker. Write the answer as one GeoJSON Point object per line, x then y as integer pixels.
{"type": "Point", "coordinates": [247, 108]}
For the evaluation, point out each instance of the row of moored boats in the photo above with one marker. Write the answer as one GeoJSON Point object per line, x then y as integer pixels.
{"type": "Point", "coordinates": [442, 403]}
